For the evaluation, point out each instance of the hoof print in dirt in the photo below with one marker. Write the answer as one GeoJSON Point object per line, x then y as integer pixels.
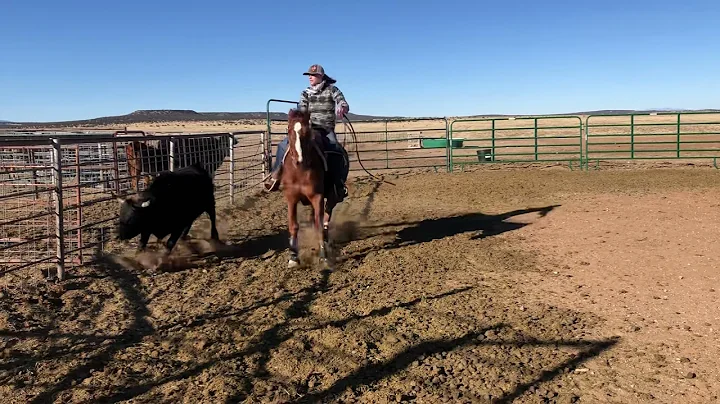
{"type": "Point", "coordinates": [268, 254]}
{"type": "Point", "coordinates": [213, 259]}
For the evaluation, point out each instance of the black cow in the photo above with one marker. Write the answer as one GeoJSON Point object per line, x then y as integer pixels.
{"type": "Point", "coordinates": [170, 205]}
{"type": "Point", "coordinates": [144, 159]}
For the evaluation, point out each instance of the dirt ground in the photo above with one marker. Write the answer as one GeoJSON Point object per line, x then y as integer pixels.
{"type": "Point", "coordinates": [535, 285]}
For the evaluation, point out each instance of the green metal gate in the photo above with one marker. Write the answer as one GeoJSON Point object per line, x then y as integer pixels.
{"type": "Point", "coordinates": [381, 144]}
{"type": "Point", "coordinates": [434, 143]}
{"type": "Point", "coordinates": [654, 136]}
{"type": "Point", "coordinates": [555, 139]}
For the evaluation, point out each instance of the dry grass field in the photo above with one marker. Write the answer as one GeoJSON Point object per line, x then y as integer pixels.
{"type": "Point", "coordinates": [386, 144]}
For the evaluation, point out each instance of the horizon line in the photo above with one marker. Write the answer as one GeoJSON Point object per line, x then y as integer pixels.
{"type": "Point", "coordinates": [379, 116]}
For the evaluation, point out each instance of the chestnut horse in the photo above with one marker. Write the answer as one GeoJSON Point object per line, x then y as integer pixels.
{"type": "Point", "coordinates": [304, 179]}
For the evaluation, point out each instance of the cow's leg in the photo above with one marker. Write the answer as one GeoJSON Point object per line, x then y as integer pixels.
{"type": "Point", "coordinates": [144, 238]}
{"type": "Point", "coordinates": [185, 232]}
{"type": "Point", "coordinates": [213, 229]}
{"type": "Point", "coordinates": [293, 227]}
{"type": "Point", "coordinates": [169, 245]}
{"type": "Point", "coordinates": [172, 241]}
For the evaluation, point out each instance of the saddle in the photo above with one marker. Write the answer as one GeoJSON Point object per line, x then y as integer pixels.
{"type": "Point", "coordinates": [336, 160]}
{"type": "Point", "coordinates": [333, 156]}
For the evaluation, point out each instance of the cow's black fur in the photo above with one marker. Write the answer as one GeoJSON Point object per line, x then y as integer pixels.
{"type": "Point", "coordinates": [170, 205]}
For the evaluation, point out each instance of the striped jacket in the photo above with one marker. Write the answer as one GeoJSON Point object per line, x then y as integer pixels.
{"type": "Point", "coordinates": [322, 104]}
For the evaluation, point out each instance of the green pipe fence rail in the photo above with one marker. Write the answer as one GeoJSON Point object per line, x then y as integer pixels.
{"type": "Point", "coordinates": [57, 190]}
{"type": "Point", "coordinates": [382, 144]}
{"type": "Point", "coordinates": [655, 136]}
{"type": "Point", "coordinates": [397, 144]}
{"type": "Point", "coordinates": [572, 140]}
{"type": "Point", "coordinates": [533, 139]}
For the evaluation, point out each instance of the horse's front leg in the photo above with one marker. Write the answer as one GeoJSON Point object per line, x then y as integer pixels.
{"type": "Point", "coordinates": [329, 206]}
{"type": "Point", "coordinates": [293, 227]}
{"type": "Point", "coordinates": [318, 204]}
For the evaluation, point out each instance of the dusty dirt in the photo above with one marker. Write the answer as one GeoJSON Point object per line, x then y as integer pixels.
{"type": "Point", "coordinates": [490, 286]}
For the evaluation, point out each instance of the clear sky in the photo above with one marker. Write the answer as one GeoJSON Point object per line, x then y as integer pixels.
{"type": "Point", "coordinates": [62, 60]}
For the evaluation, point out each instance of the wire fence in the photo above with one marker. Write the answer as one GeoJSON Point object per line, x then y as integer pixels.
{"type": "Point", "coordinates": [58, 191]}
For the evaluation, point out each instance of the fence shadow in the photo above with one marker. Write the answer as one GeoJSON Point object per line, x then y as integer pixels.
{"type": "Point", "coordinates": [296, 319]}
{"type": "Point", "coordinates": [140, 328]}
{"type": "Point", "coordinates": [269, 340]}
{"type": "Point", "coordinates": [375, 373]}
{"type": "Point", "coordinates": [424, 231]}
{"type": "Point", "coordinates": [481, 224]}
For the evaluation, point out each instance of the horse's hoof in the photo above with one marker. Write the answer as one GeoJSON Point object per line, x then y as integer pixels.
{"type": "Point", "coordinates": [293, 264]}
{"type": "Point", "coordinates": [327, 249]}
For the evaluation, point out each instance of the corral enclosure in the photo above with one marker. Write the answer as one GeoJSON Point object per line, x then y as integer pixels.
{"type": "Point", "coordinates": [82, 175]}
{"type": "Point", "coordinates": [29, 229]}
{"type": "Point", "coordinates": [450, 144]}
{"type": "Point", "coordinates": [531, 281]}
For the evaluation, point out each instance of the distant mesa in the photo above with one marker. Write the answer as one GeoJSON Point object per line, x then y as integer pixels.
{"type": "Point", "coordinates": [189, 115]}
{"type": "Point", "coordinates": [162, 112]}
{"type": "Point", "coordinates": [7, 123]}
{"type": "Point", "coordinates": [175, 115]}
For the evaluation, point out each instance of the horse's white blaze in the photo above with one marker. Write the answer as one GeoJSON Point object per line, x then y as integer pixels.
{"type": "Point", "coordinates": [298, 149]}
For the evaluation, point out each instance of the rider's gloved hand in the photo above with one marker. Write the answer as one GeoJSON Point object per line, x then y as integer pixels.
{"type": "Point", "coordinates": [341, 110]}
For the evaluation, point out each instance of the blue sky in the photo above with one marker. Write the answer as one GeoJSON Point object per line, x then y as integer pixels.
{"type": "Point", "coordinates": [62, 60]}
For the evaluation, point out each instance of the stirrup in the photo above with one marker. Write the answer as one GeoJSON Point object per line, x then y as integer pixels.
{"type": "Point", "coordinates": [274, 185]}
{"type": "Point", "coordinates": [341, 191]}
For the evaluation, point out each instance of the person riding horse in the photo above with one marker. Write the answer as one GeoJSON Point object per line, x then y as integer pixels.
{"type": "Point", "coordinates": [324, 101]}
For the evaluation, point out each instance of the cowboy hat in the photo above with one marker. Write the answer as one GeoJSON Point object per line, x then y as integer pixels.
{"type": "Point", "coordinates": [318, 70]}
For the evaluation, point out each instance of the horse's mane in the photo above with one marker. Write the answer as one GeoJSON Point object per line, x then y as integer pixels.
{"type": "Point", "coordinates": [310, 139]}
{"type": "Point", "coordinates": [296, 114]}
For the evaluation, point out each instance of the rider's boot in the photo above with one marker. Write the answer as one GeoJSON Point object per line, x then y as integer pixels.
{"type": "Point", "coordinates": [340, 189]}
{"type": "Point", "coordinates": [273, 183]}
{"type": "Point", "coordinates": [343, 192]}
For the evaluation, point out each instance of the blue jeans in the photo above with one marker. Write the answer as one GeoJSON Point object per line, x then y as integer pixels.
{"type": "Point", "coordinates": [283, 146]}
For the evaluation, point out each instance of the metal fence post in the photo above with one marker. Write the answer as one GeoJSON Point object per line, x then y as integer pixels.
{"type": "Point", "coordinates": [447, 146]}
{"type": "Point", "coordinates": [387, 152]}
{"type": "Point", "coordinates": [265, 153]}
{"type": "Point", "coordinates": [58, 194]}
{"type": "Point", "coordinates": [231, 140]}
{"type": "Point", "coordinates": [78, 193]}
{"type": "Point", "coordinates": [172, 153]}
{"type": "Point", "coordinates": [582, 138]}
{"type": "Point", "coordinates": [632, 136]}
{"type": "Point", "coordinates": [536, 139]}
{"type": "Point", "coordinates": [678, 135]}
{"type": "Point", "coordinates": [493, 140]}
